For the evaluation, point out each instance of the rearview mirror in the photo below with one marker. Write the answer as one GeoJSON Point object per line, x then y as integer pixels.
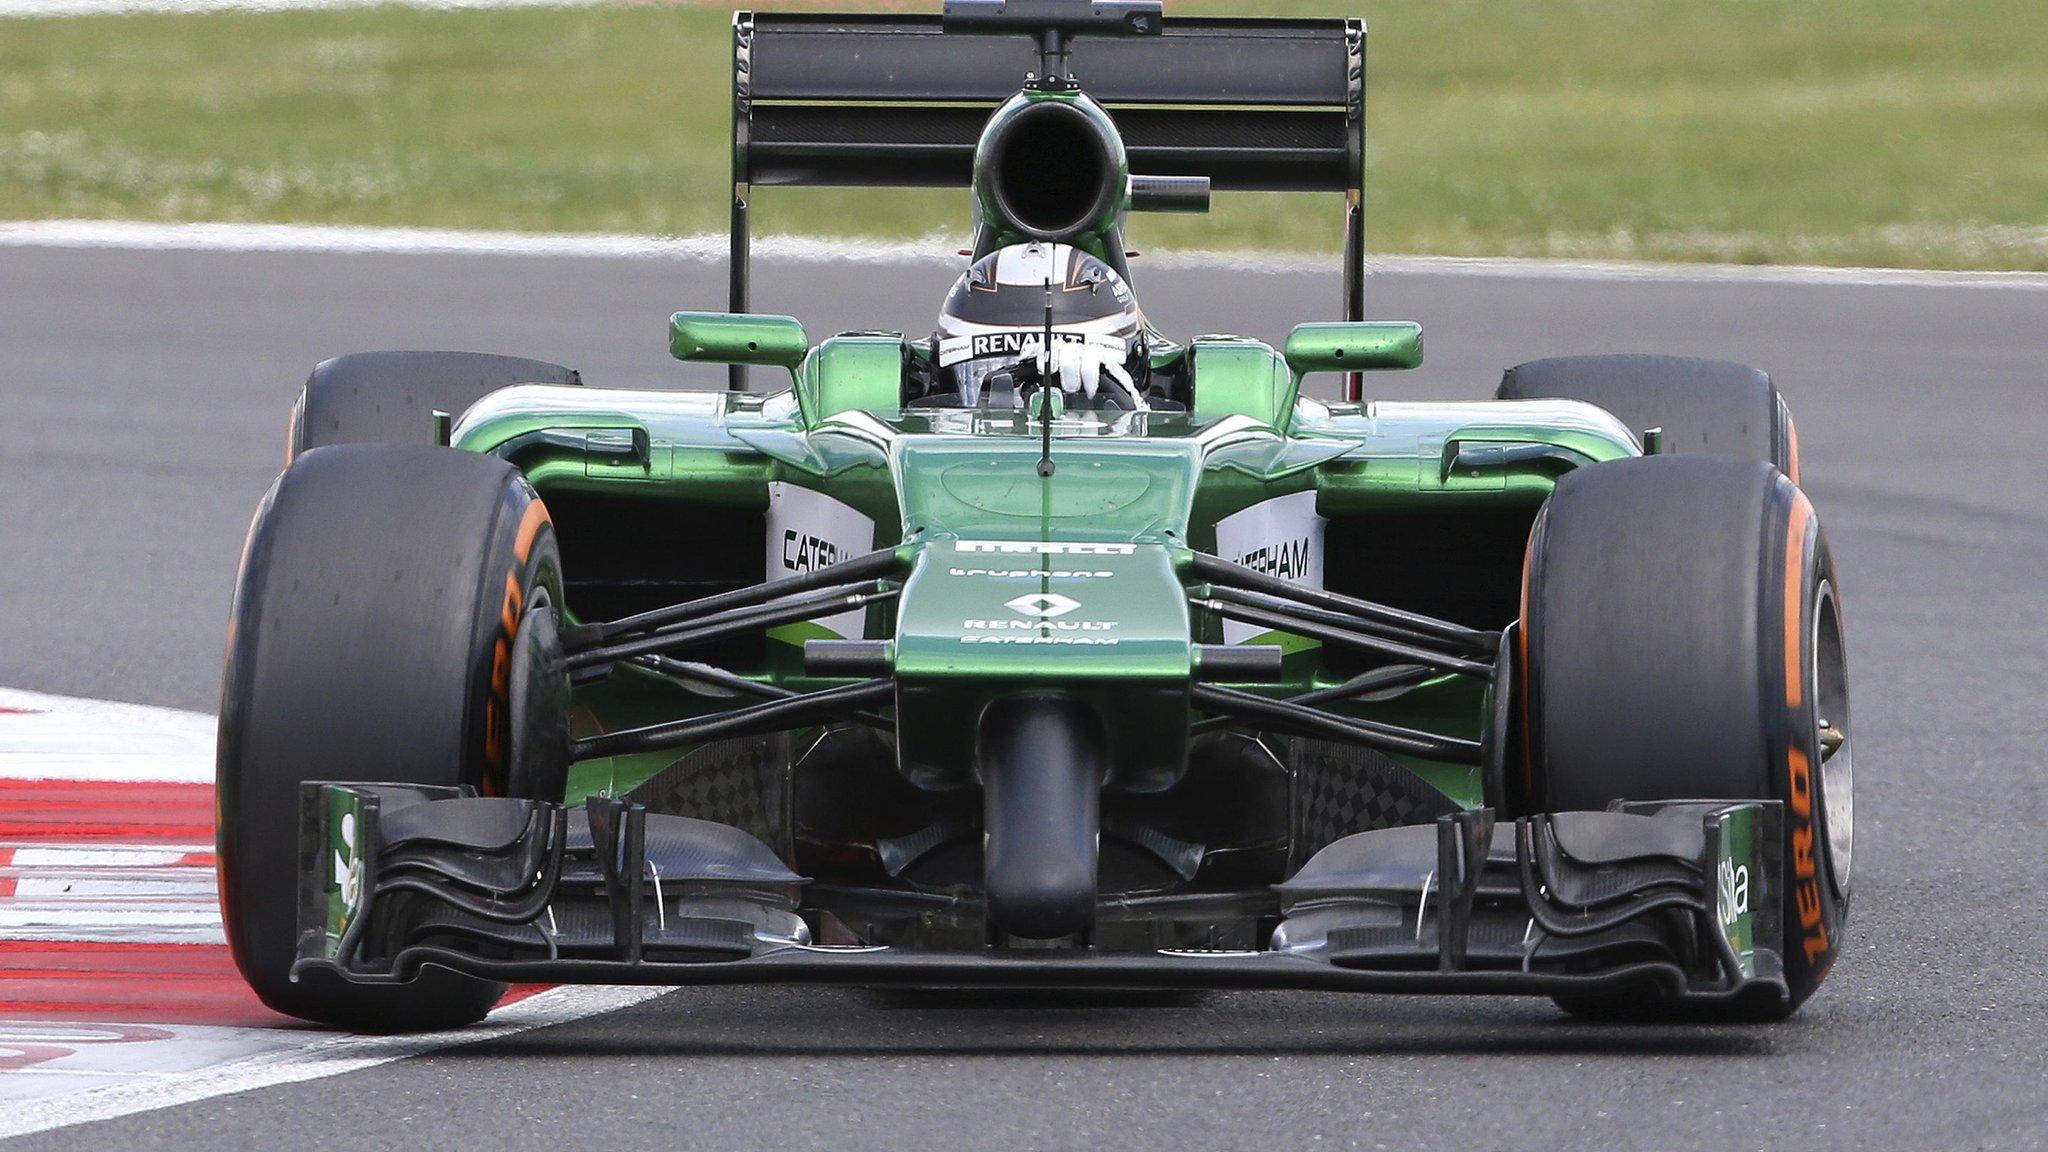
{"type": "Point", "coordinates": [737, 338]}
{"type": "Point", "coordinates": [1354, 346]}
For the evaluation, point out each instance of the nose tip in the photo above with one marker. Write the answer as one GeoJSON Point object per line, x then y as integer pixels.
{"type": "Point", "coordinates": [1040, 759]}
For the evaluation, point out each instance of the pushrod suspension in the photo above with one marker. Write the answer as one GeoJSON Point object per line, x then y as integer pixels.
{"type": "Point", "coordinates": [772, 716]}
{"type": "Point", "coordinates": [693, 673]}
{"type": "Point", "coordinates": [1370, 627]}
{"type": "Point", "coordinates": [690, 672]}
{"type": "Point", "coordinates": [735, 622]}
{"type": "Point", "coordinates": [1387, 679]}
{"type": "Point", "coordinates": [1216, 570]}
{"type": "Point", "coordinates": [1281, 716]}
{"type": "Point", "coordinates": [1346, 637]}
{"type": "Point", "coordinates": [871, 566]}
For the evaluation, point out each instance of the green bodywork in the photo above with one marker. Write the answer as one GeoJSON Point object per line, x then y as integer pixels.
{"type": "Point", "coordinates": [1013, 580]}
{"type": "Point", "coordinates": [1101, 236]}
{"type": "Point", "coordinates": [959, 495]}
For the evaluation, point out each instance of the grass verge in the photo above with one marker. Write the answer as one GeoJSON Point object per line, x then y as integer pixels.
{"type": "Point", "coordinates": [1878, 132]}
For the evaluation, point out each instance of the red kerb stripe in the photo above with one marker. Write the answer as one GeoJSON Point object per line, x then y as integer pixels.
{"type": "Point", "coordinates": [105, 810]}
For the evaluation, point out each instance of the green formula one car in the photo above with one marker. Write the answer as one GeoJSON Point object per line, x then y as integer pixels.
{"type": "Point", "coordinates": [1044, 650]}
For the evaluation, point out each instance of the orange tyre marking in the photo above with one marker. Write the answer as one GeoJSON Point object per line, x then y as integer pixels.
{"type": "Point", "coordinates": [1795, 573]}
{"type": "Point", "coordinates": [529, 526]}
{"type": "Point", "coordinates": [498, 707]}
{"type": "Point", "coordinates": [1814, 942]}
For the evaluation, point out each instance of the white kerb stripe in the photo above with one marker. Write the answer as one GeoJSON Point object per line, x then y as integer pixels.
{"type": "Point", "coordinates": [319, 1058]}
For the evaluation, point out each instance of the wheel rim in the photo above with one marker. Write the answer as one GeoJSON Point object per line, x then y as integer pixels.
{"type": "Point", "coordinates": [1832, 737]}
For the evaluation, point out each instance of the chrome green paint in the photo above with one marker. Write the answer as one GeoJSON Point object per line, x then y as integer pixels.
{"type": "Point", "coordinates": [1035, 408]}
{"type": "Point", "coordinates": [1242, 378]}
{"type": "Point", "coordinates": [1742, 882]}
{"type": "Point", "coordinates": [631, 697]}
{"type": "Point", "coordinates": [795, 634]}
{"type": "Point", "coordinates": [1152, 483]}
{"type": "Point", "coordinates": [1105, 622]}
{"type": "Point", "coordinates": [1354, 346]}
{"type": "Point", "coordinates": [688, 420]}
{"type": "Point", "coordinates": [340, 866]}
{"type": "Point", "coordinates": [1396, 450]}
{"type": "Point", "coordinates": [697, 449]}
{"type": "Point", "coordinates": [972, 610]}
{"type": "Point", "coordinates": [1450, 705]}
{"type": "Point", "coordinates": [1287, 642]}
{"type": "Point", "coordinates": [1100, 236]}
{"type": "Point", "coordinates": [988, 487]}
{"type": "Point", "coordinates": [852, 374]}
{"type": "Point", "coordinates": [737, 338]}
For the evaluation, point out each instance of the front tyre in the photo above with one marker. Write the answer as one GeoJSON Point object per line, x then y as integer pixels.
{"type": "Point", "coordinates": [393, 622]}
{"type": "Point", "coordinates": [1682, 636]}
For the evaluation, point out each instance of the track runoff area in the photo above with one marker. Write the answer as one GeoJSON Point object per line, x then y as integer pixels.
{"type": "Point", "coordinates": [117, 993]}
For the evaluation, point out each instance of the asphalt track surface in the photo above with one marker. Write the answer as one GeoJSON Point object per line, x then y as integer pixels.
{"type": "Point", "coordinates": [142, 402]}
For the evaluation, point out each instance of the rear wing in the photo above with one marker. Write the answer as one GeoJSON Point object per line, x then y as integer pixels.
{"type": "Point", "coordinates": [892, 100]}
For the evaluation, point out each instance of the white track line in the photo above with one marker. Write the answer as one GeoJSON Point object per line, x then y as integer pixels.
{"type": "Point", "coordinates": [128, 858]}
{"type": "Point", "coordinates": [65, 738]}
{"type": "Point", "coordinates": [34, 8]}
{"type": "Point", "coordinates": [936, 249]}
{"type": "Point", "coordinates": [1521, 268]}
{"type": "Point", "coordinates": [323, 1055]}
{"type": "Point", "coordinates": [352, 239]}
{"type": "Point", "coordinates": [166, 766]}
{"type": "Point", "coordinates": [105, 892]}
{"type": "Point", "coordinates": [181, 922]}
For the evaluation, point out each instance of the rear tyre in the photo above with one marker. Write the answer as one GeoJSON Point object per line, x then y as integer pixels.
{"type": "Point", "coordinates": [387, 597]}
{"type": "Point", "coordinates": [1683, 639]}
{"type": "Point", "coordinates": [391, 397]}
{"type": "Point", "coordinates": [1701, 405]}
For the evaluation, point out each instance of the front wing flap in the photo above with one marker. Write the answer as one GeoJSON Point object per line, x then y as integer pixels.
{"type": "Point", "coordinates": [1674, 898]}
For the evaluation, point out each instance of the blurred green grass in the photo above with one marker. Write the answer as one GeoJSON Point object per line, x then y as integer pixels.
{"type": "Point", "coordinates": [1880, 132]}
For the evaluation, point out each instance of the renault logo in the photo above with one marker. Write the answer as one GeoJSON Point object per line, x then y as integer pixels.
{"type": "Point", "coordinates": [1046, 604]}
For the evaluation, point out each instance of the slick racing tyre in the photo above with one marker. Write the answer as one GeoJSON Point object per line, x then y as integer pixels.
{"type": "Point", "coordinates": [1681, 638]}
{"type": "Point", "coordinates": [395, 621]}
{"type": "Point", "coordinates": [391, 397]}
{"type": "Point", "coordinates": [1701, 405]}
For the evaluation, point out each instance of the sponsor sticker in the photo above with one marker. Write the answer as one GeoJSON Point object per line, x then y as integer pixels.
{"type": "Point", "coordinates": [1058, 638]}
{"type": "Point", "coordinates": [1734, 874]}
{"type": "Point", "coordinates": [1042, 615]}
{"type": "Point", "coordinates": [1039, 622]}
{"type": "Point", "coordinates": [1032, 625]}
{"type": "Point", "coordinates": [1043, 548]}
{"type": "Point", "coordinates": [1280, 537]}
{"type": "Point", "coordinates": [1035, 574]}
{"type": "Point", "coordinates": [1043, 604]}
{"type": "Point", "coordinates": [1734, 886]}
{"type": "Point", "coordinates": [344, 863]}
{"type": "Point", "coordinates": [808, 530]}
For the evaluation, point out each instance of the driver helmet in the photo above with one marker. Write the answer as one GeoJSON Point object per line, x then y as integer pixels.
{"type": "Point", "coordinates": [994, 321]}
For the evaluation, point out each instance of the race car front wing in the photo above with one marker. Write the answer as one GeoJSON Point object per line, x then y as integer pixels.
{"type": "Point", "coordinates": [1673, 898]}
